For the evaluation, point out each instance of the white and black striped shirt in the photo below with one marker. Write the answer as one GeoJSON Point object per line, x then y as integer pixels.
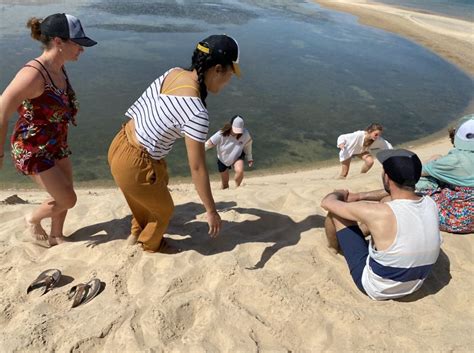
{"type": "Point", "coordinates": [160, 119]}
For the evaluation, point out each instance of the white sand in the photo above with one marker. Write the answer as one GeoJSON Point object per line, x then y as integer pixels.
{"type": "Point", "coordinates": [268, 284]}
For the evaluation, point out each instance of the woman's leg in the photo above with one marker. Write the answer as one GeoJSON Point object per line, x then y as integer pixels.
{"type": "Point", "coordinates": [239, 172]}
{"type": "Point", "coordinates": [144, 185]}
{"type": "Point", "coordinates": [225, 179]}
{"type": "Point", "coordinates": [345, 168]}
{"type": "Point", "coordinates": [57, 181]}
{"type": "Point", "coordinates": [368, 162]}
{"type": "Point", "coordinates": [57, 222]}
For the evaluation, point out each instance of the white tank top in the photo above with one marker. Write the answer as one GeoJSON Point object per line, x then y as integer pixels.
{"type": "Point", "coordinates": [402, 268]}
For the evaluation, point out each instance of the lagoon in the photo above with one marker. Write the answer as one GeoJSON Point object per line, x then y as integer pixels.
{"type": "Point", "coordinates": [309, 74]}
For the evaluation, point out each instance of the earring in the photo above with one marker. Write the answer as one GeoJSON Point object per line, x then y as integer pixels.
{"type": "Point", "coordinates": [60, 50]}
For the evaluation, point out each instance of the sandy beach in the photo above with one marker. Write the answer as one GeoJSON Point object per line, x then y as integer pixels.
{"type": "Point", "coordinates": [267, 284]}
{"type": "Point", "coordinates": [450, 38]}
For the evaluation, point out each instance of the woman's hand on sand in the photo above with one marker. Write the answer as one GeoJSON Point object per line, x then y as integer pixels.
{"type": "Point", "coordinates": [214, 222]}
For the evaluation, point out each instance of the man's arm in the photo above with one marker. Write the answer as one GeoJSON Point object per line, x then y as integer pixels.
{"type": "Point", "coordinates": [361, 211]}
{"type": "Point", "coordinates": [375, 195]}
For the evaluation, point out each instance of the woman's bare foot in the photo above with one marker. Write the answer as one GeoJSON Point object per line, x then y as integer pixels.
{"type": "Point", "coordinates": [56, 240]}
{"type": "Point", "coordinates": [341, 177]}
{"type": "Point", "coordinates": [35, 229]}
{"type": "Point", "coordinates": [132, 239]}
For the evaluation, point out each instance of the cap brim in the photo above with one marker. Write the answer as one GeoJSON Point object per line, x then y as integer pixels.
{"type": "Point", "coordinates": [383, 155]}
{"type": "Point", "coordinates": [85, 42]}
{"type": "Point", "coordinates": [236, 69]}
{"type": "Point", "coordinates": [237, 130]}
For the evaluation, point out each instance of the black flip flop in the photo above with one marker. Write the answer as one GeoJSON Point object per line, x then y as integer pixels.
{"type": "Point", "coordinates": [46, 280]}
{"type": "Point", "coordinates": [83, 293]}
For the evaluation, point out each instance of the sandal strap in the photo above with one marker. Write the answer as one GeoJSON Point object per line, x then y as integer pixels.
{"type": "Point", "coordinates": [79, 293]}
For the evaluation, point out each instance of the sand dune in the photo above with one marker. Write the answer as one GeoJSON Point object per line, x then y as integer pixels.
{"type": "Point", "coordinates": [267, 284]}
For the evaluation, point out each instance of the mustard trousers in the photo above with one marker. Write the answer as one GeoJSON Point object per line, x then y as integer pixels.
{"type": "Point", "coordinates": [144, 183]}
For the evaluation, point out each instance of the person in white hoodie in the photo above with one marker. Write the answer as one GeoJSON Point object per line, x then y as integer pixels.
{"type": "Point", "coordinates": [234, 144]}
{"type": "Point", "coordinates": [360, 143]}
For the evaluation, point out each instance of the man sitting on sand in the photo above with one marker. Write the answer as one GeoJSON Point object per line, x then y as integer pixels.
{"type": "Point", "coordinates": [405, 239]}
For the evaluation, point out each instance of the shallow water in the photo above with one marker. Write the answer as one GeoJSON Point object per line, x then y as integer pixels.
{"type": "Point", "coordinates": [309, 74]}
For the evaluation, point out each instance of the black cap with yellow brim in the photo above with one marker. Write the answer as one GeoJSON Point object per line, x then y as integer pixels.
{"type": "Point", "coordinates": [223, 47]}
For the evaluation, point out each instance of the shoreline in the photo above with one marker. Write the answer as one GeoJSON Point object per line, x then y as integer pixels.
{"type": "Point", "coordinates": [448, 37]}
{"type": "Point", "coordinates": [434, 138]}
{"type": "Point", "coordinates": [426, 29]}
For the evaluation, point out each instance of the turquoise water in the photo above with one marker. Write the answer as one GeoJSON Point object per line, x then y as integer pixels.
{"type": "Point", "coordinates": [309, 74]}
{"type": "Point", "coordinates": [463, 9]}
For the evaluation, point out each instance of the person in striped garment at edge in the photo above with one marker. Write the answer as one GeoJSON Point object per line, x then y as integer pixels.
{"type": "Point", "coordinates": [172, 107]}
{"type": "Point", "coordinates": [404, 235]}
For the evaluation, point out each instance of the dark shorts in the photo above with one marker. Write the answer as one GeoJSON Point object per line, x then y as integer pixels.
{"type": "Point", "coordinates": [222, 167]}
{"type": "Point", "coordinates": [356, 250]}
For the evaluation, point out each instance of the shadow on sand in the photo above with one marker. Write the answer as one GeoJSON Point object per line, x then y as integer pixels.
{"type": "Point", "coordinates": [264, 226]}
{"type": "Point", "coordinates": [103, 232]}
{"type": "Point", "coordinates": [439, 277]}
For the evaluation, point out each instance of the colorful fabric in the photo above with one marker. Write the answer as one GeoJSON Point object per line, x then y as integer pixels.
{"type": "Point", "coordinates": [40, 135]}
{"type": "Point", "coordinates": [456, 208]}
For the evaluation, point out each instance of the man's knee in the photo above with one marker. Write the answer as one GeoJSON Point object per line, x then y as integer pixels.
{"type": "Point", "coordinates": [339, 222]}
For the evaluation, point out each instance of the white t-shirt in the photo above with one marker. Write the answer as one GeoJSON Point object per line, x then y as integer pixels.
{"type": "Point", "coordinates": [354, 144]}
{"type": "Point", "coordinates": [229, 148]}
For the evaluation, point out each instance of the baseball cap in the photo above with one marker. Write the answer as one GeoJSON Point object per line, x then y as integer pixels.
{"type": "Point", "coordinates": [464, 137]}
{"type": "Point", "coordinates": [66, 27]}
{"type": "Point", "coordinates": [238, 125]}
{"type": "Point", "coordinates": [401, 166]}
{"type": "Point", "coordinates": [223, 48]}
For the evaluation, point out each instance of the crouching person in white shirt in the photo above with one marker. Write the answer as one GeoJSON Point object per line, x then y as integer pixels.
{"type": "Point", "coordinates": [362, 144]}
{"type": "Point", "coordinates": [234, 144]}
{"type": "Point", "coordinates": [404, 236]}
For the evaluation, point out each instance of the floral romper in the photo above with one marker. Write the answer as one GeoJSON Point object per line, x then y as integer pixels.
{"type": "Point", "coordinates": [40, 135]}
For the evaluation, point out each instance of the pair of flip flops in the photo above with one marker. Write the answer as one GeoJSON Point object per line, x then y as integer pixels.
{"type": "Point", "coordinates": [81, 293]}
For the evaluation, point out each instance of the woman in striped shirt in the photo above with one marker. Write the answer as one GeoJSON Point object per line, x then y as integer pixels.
{"type": "Point", "coordinates": [173, 106]}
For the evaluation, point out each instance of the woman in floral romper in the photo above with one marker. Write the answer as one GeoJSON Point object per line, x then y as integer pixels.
{"type": "Point", "coordinates": [46, 104]}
